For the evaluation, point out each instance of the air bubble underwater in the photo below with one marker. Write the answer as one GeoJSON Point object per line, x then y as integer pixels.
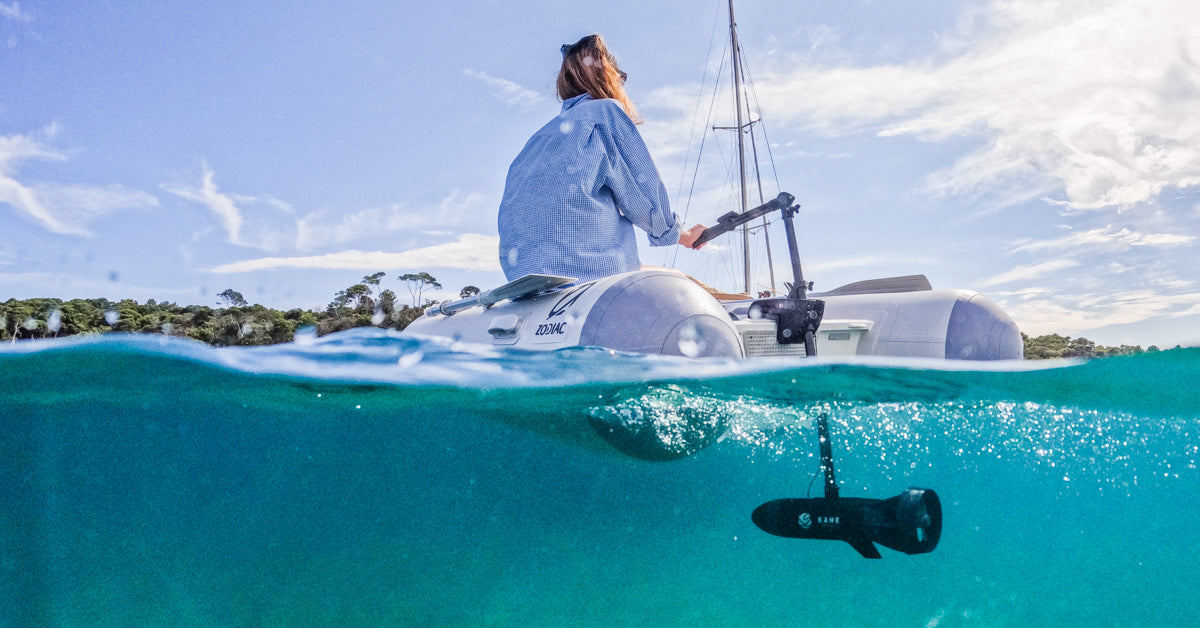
{"type": "Point", "coordinates": [1079, 451]}
{"type": "Point", "coordinates": [1070, 450]}
{"type": "Point", "coordinates": [662, 422]}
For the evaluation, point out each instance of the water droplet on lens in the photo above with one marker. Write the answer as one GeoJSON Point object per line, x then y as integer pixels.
{"type": "Point", "coordinates": [111, 317]}
{"type": "Point", "coordinates": [512, 256]}
{"type": "Point", "coordinates": [54, 321]}
{"type": "Point", "coordinates": [305, 335]}
{"type": "Point", "coordinates": [31, 323]}
{"type": "Point", "coordinates": [411, 359]}
{"type": "Point", "coordinates": [377, 317]}
{"type": "Point", "coordinates": [691, 340]}
{"type": "Point", "coordinates": [567, 126]}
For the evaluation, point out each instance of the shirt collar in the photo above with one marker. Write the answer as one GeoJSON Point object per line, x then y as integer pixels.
{"type": "Point", "coordinates": [575, 100]}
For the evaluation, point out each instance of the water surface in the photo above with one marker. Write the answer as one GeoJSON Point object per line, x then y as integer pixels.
{"type": "Point", "coordinates": [364, 478]}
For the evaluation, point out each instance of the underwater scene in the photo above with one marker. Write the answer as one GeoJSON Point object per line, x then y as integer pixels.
{"type": "Point", "coordinates": [364, 478]}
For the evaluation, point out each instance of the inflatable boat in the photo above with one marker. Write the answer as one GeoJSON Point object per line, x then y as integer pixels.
{"type": "Point", "coordinates": [663, 311]}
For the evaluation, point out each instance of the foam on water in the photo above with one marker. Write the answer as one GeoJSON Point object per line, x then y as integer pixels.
{"type": "Point", "coordinates": [364, 478]}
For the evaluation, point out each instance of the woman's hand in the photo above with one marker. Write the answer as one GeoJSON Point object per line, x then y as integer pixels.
{"type": "Point", "coordinates": [689, 237]}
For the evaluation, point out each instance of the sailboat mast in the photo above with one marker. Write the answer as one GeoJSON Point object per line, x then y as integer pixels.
{"type": "Point", "coordinates": [737, 97]}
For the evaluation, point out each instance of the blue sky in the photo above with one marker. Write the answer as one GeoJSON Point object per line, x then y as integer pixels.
{"type": "Point", "coordinates": [1046, 154]}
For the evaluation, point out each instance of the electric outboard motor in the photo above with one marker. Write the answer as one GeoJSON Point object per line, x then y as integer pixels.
{"type": "Point", "coordinates": [796, 317]}
{"type": "Point", "coordinates": [910, 522]}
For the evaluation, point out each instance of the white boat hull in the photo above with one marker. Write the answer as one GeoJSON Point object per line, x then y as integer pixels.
{"type": "Point", "coordinates": [665, 312]}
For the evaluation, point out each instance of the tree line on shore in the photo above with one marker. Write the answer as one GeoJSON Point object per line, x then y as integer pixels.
{"type": "Point", "coordinates": [234, 322]}
{"type": "Point", "coordinates": [1057, 346]}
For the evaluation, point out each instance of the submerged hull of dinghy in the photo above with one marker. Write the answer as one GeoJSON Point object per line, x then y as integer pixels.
{"type": "Point", "coordinates": [665, 312]}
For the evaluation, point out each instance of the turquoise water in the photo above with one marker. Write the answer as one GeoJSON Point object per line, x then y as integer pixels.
{"type": "Point", "coordinates": [367, 479]}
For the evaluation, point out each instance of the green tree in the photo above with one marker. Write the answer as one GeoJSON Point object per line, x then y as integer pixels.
{"type": "Point", "coordinates": [1080, 348]}
{"type": "Point", "coordinates": [129, 316]}
{"type": "Point", "coordinates": [81, 316]}
{"type": "Point", "coordinates": [418, 283]}
{"type": "Point", "coordinates": [374, 279]}
{"type": "Point", "coordinates": [232, 298]}
{"type": "Point", "coordinates": [468, 291]}
{"type": "Point", "coordinates": [358, 297]}
{"type": "Point", "coordinates": [1051, 346]}
{"type": "Point", "coordinates": [404, 316]}
{"type": "Point", "coordinates": [386, 307]}
{"type": "Point", "coordinates": [1045, 347]}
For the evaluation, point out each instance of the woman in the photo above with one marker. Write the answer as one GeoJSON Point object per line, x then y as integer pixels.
{"type": "Point", "coordinates": [575, 192]}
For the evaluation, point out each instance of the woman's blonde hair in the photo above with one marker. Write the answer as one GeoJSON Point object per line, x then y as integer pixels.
{"type": "Point", "coordinates": [589, 68]}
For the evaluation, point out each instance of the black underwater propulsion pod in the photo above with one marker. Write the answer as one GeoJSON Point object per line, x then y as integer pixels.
{"type": "Point", "coordinates": [910, 522]}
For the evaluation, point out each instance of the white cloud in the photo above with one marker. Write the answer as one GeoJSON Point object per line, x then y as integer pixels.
{"type": "Point", "coordinates": [669, 132]}
{"type": "Point", "coordinates": [13, 150]}
{"type": "Point", "coordinates": [1191, 311]}
{"type": "Point", "coordinates": [267, 223]}
{"type": "Point", "coordinates": [1029, 271]}
{"type": "Point", "coordinates": [62, 209]}
{"type": "Point", "coordinates": [76, 284]}
{"type": "Point", "coordinates": [263, 230]}
{"type": "Point", "coordinates": [220, 204]}
{"type": "Point", "coordinates": [469, 252]}
{"type": "Point", "coordinates": [82, 203]}
{"type": "Point", "coordinates": [507, 91]}
{"type": "Point", "coordinates": [1108, 281]}
{"type": "Point", "coordinates": [1093, 100]}
{"type": "Point", "coordinates": [457, 211]}
{"type": "Point", "coordinates": [1046, 311]}
{"type": "Point", "coordinates": [13, 12]}
{"type": "Point", "coordinates": [1106, 238]}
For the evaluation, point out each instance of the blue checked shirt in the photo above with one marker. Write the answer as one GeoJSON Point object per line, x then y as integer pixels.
{"type": "Point", "coordinates": [575, 192]}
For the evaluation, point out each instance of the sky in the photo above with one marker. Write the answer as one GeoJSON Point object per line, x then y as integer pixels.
{"type": "Point", "coordinates": [1046, 154]}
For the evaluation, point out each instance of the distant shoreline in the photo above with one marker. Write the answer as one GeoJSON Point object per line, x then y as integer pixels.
{"type": "Point", "coordinates": [241, 324]}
